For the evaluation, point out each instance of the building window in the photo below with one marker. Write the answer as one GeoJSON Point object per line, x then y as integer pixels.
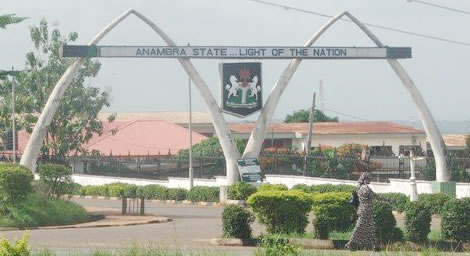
{"type": "Point", "coordinates": [406, 149]}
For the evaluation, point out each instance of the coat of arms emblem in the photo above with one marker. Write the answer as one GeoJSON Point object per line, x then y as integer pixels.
{"type": "Point", "coordinates": [241, 88]}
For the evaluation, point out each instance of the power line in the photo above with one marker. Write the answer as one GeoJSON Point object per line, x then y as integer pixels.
{"type": "Point", "coordinates": [440, 6]}
{"type": "Point", "coordinates": [344, 114]}
{"type": "Point", "coordinates": [287, 8]}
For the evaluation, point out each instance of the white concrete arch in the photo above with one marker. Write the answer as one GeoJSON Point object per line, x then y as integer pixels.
{"type": "Point", "coordinates": [257, 136]}
{"type": "Point", "coordinates": [228, 145]}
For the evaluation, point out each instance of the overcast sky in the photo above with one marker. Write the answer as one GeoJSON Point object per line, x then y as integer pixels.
{"type": "Point", "coordinates": [367, 89]}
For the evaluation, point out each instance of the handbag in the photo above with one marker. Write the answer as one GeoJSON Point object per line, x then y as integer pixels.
{"type": "Point", "coordinates": [354, 200]}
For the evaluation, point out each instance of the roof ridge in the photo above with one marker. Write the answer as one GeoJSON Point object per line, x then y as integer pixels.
{"type": "Point", "coordinates": [101, 138]}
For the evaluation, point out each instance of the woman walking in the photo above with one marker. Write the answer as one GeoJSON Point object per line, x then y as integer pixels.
{"type": "Point", "coordinates": [364, 235]}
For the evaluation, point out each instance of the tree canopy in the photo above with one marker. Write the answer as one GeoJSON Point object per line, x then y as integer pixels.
{"type": "Point", "coordinates": [209, 148]}
{"type": "Point", "coordinates": [8, 19]}
{"type": "Point", "coordinates": [75, 121]}
{"type": "Point", "coordinates": [302, 116]}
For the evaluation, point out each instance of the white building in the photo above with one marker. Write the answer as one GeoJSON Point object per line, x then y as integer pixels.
{"type": "Point", "coordinates": [379, 136]}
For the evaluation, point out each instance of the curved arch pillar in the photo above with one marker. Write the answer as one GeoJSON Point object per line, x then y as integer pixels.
{"type": "Point", "coordinates": [257, 136]}
{"type": "Point", "coordinates": [227, 143]}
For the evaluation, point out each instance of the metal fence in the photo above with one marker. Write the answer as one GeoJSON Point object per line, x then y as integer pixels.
{"type": "Point", "coordinates": [382, 168]}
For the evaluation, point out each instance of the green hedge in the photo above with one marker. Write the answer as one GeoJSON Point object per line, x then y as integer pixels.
{"type": "Point", "coordinates": [15, 183]}
{"type": "Point", "coordinates": [282, 211]}
{"type": "Point", "coordinates": [204, 194]}
{"type": "Point", "coordinates": [156, 192]}
{"type": "Point", "coordinates": [399, 201]}
{"type": "Point", "coordinates": [241, 191]}
{"type": "Point", "coordinates": [325, 188]}
{"type": "Point", "coordinates": [271, 187]}
{"type": "Point", "coordinates": [332, 213]}
{"type": "Point", "coordinates": [455, 220]}
{"type": "Point", "coordinates": [434, 202]}
{"type": "Point", "coordinates": [417, 222]}
{"type": "Point", "coordinates": [236, 222]}
{"type": "Point", "coordinates": [385, 223]}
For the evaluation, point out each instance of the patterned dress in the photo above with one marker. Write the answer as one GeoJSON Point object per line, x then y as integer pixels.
{"type": "Point", "coordinates": [363, 235]}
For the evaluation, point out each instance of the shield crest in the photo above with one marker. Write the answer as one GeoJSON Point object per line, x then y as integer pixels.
{"type": "Point", "coordinates": [241, 88]}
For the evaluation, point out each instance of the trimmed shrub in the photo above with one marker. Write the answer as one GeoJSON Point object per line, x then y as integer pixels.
{"type": "Point", "coordinates": [332, 213]}
{"type": "Point", "coordinates": [384, 222]}
{"type": "Point", "coordinates": [178, 194]}
{"type": "Point", "coordinates": [96, 191]}
{"type": "Point", "coordinates": [57, 179]}
{"type": "Point", "coordinates": [455, 220]}
{"type": "Point", "coordinates": [398, 201]}
{"type": "Point", "coordinates": [303, 187]}
{"type": "Point", "coordinates": [271, 187]}
{"type": "Point", "coordinates": [434, 202]}
{"type": "Point", "coordinates": [325, 188]}
{"type": "Point", "coordinates": [121, 190]}
{"type": "Point", "coordinates": [241, 191]}
{"type": "Point", "coordinates": [417, 222]}
{"type": "Point", "coordinates": [236, 222]}
{"type": "Point", "coordinates": [203, 194]}
{"type": "Point", "coordinates": [15, 183]}
{"type": "Point", "coordinates": [282, 211]}
{"type": "Point", "coordinates": [154, 192]}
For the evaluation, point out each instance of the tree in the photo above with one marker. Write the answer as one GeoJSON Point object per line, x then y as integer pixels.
{"type": "Point", "coordinates": [8, 19]}
{"type": "Point", "coordinates": [5, 20]}
{"type": "Point", "coordinates": [303, 115]}
{"type": "Point", "coordinates": [75, 121]}
{"type": "Point", "coordinates": [209, 148]}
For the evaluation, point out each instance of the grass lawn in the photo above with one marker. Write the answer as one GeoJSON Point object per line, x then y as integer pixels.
{"type": "Point", "coordinates": [36, 212]}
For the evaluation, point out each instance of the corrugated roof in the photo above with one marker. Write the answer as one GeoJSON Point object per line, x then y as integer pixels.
{"type": "Point", "coordinates": [173, 117]}
{"type": "Point", "coordinates": [334, 128]}
{"type": "Point", "coordinates": [455, 140]}
{"type": "Point", "coordinates": [142, 137]}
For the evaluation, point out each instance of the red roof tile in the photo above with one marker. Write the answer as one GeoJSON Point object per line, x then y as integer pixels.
{"type": "Point", "coordinates": [333, 128]}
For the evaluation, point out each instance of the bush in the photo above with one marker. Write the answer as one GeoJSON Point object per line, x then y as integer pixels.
{"type": "Point", "coordinates": [325, 188]}
{"type": "Point", "coordinates": [270, 187]}
{"type": "Point", "coordinates": [282, 211]}
{"type": "Point", "coordinates": [121, 190]}
{"type": "Point", "coordinates": [399, 201]}
{"type": "Point", "coordinates": [241, 191]}
{"type": "Point", "coordinates": [15, 183]}
{"type": "Point", "coordinates": [178, 194]}
{"type": "Point", "coordinates": [57, 179]}
{"type": "Point", "coordinates": [96, 191]}
{"type": "Point", "coordinates": [332, 213]}
{"type": "Point", "coordinates": [236, 222]}
{"type": "Point", "coordinates": [154, 192]}
{"type": "Point", "coordinates": [203, 194]}
{"type": "Point", "coordinates": [455, 220]}
{"type": "Point", "coordinates": [18, 248]}
{"type": "Point", "coordinates": [384, 222]}
{"type": "Point", "coordinates": [303, 187]}
{"type": "Point", "coordinates": [417, 222]}
{"type": "Point", "coordinates": [434, 201]}
{"type": "Point", "coordinates": [277, 246]}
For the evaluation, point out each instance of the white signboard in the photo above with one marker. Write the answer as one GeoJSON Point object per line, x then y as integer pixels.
{"type": "Point", "coordinates": [249, 170]}
{"type": "Point", "coordinates": [217, 52]}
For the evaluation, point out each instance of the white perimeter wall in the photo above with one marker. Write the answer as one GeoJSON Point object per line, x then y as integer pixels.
{"type": "Point", "coordinates": [395, 185]}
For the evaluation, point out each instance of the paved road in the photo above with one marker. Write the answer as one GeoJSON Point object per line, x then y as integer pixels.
{"type": "Point", "coordinates": [192, 227]}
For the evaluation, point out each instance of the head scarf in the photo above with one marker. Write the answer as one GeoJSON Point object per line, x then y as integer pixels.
{"type": "Point", "coordinates": [364, 176]}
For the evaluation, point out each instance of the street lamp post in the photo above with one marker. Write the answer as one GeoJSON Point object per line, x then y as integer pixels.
{"type": "Point", "coordinates": [13, 114]}
{"type": "Point", "coordinates": [191, 175]}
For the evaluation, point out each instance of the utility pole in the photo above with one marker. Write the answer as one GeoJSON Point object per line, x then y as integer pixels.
{"type": "Point", "coordinates": [13, 114]}
{"type": "Point", "coordinates": [309, 138]}
{"type": "Point", "coordinates": [191, 174]}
